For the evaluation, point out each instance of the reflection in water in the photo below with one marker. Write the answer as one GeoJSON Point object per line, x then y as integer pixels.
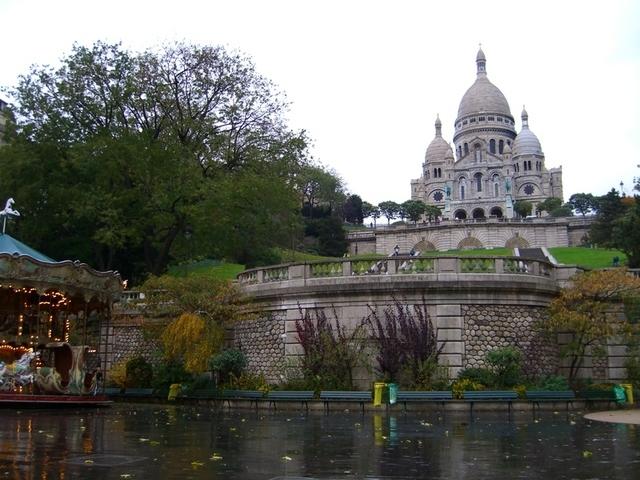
{"type": "Point", "coordinates": [158, 442]}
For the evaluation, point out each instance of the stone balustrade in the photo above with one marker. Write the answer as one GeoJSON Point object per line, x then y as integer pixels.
{"type": "Point", "coordinates": [397, 265]}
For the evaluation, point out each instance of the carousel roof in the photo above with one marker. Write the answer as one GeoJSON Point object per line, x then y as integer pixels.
{"type": "Point", "coordinates": [10, 245]}
{"type": "Point", "coordinates": [21, 266]}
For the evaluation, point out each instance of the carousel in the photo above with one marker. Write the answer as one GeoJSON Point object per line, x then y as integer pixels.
{"type": "Point", "coordinates": [54, 324]}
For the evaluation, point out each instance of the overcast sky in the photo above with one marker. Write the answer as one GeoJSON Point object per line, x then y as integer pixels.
{"type": "Point", "coordinates": [366, 79]}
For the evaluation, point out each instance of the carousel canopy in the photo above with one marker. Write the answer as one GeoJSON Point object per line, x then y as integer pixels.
{"type": "Point", "coordinates": [22, 266]}
{"type": "Point", "coordinates": [10, 245]}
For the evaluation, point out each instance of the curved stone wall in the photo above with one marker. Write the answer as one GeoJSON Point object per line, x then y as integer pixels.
{"type": "Point", "coordinates": [497, 298]}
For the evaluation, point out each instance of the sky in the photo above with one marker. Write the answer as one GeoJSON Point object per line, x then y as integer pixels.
{"type": "Point", "coordinates": [366, 79]}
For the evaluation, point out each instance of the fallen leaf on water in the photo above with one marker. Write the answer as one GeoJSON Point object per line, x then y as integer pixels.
{"type": "Point", "coordinates": [195, 464]}
{"type": "Point", "coordinates": [215, 457]}
{"type": "Point", "coordinates": [586, 454]}
{"type": "Point", "coordinates": [88, 462]}
{"type": "Point", "coordinates": [154, 443]}
{"type": "Point", "coordinates": [125, 475]}
{"type": "Point", "coordinates": [143, 439]}
{"type": "Point", "coordinates": [286, 458]}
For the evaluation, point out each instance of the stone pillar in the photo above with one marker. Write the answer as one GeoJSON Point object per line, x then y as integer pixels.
{"type": "Point", "coordinates": [449, 325]}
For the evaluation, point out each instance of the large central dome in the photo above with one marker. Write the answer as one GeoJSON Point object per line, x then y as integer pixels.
{"type": "Point", "coordinates": [483, 96]}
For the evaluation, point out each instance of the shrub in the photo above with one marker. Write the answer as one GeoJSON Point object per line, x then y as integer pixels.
{"type": "Point", "coordinates": [228, 362]}
{"type": "Point", "coordinates": [632, 364]}
{"type": "Point", "coordinates": [483, 376]}
{"type": "Point", "coordinates": [248, 381]}
{"type": "Point", "coordinates": [168, 373]}
{"type": "Point", "coordinates": [464, 384]}
{"type": "Point", "coordinates": [117, 374]}
{"type": "Point", "coordinates": [552, 382]}
{"type": "Point", "coordinates": [330, 352]}
{"type": "Point", "coordinates": [506, 362]}
{"type": "Point", "coordinates": [406, 342]}
{"type": "Point", "coordinates": [139, 373]}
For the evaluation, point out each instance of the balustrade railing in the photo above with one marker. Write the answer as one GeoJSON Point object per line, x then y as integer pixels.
{"type": "Point", "coordinates": [398, 265]}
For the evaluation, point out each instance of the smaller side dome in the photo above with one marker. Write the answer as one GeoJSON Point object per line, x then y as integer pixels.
{"type": "Point", "coordinates": [437, 149]}
{"type": "Point", "coordinates": [526, 142]}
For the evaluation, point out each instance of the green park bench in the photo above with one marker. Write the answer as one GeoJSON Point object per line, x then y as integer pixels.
{"type": "Point", "coordinates": [404, 397]}
{"type": "Point", "coordinates": [138, 392]}
{"type": "Point", "coordinates": [590, 396]}
{"type": "Point", "coordinates": [204, 393]}
{"type": "Point", "coordinates": [253, 396]}
{"type": "Point", "coordinates": [113, 391]}
{"type": "Point", "coordinates": [302, 396]}
{"type": "Point", "coordinates": [551, 396]}
{"type": "Point", "coordinates": [506, 396]}
{"type": "Point", "coordinates": [328, 396]}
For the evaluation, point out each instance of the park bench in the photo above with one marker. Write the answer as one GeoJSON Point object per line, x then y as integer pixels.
{"type": "Point", "coordinates": [253, 396]}
{"type": "Point", "coordinates": [302, 396]}
{"type": "Point", "coordinates": [113, 391]}
{"type": "Point", "coordinates": [537, 396]}
{"type": "Point", "coordinates": [204, 393]}
{"type": "Point", "coordinates": [472, 397]}
{"type": "Point", "coordinates": [423, 397]}
{"type": "Point", "coordinates": [328, 396]}
{"type": "Point", "coordinates": [590, 396]}
{"type": "Point", "coordinates": [138, 392]}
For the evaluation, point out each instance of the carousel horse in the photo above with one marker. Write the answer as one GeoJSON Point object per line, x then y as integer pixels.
{"type": "Point", "coordinates": [18, 372]}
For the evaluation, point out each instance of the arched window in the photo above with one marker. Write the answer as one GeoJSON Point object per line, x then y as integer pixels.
{"type": "Point", "coordinates": [439, 173]}
{"type": "Point", "coordinates": [496, 185]}
{"type": "Point", "coordinates": [461, 192]}
{"type": "Point", "coordinates": [466, 149]}
{"type": "Point", "coordinates": [492, 146]}
{"type": "Point", "coordinates": [478, 152]}
{"type": "Point", "coordinates": [478, 179]}
{"type": "Point", "coordinates": [459, 151]}
{"type": "Point", "coordinates": [500, 146]}
{"type": "Point", "coordinates": [463, 185]}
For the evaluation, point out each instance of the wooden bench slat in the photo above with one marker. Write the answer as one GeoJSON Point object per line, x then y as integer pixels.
{"type": "Point", "coordinates": [328, 396]}
{"type": "Point", "coordinates": [423, 396]}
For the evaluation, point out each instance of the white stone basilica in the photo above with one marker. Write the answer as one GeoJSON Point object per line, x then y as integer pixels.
{"type": "Point", "coordinates": [492, 165]}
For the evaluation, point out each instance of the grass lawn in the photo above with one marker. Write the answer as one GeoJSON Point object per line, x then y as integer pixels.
{"type": "Point", "coordinates": [213, 268]}
{"type": "Point", "coordinates": [587, 257]}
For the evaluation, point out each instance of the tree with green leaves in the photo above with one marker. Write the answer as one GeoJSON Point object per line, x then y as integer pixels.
{"type": "Point", "coordinates": [584, 309]}
{"type": "Point", "coordinates": [320, 189]}
{"type": "Point", "coordinates": [432, 212]}
{"type": "Point", "coordinates": [367, 209]}
{"type": "Point", "coordinates": [375, 214]}
{"type": "Point", "coordinates": [389, 209]}
{"type": "Point", "coordinates": [522, 208]}
{"type": "Point", "coordinates": [610, 209]}
{"type": "Point", "coordinates": [549, 204]}
{"type": "Point", "coordinates": [353, 209]}
{"type": "Point", "coordinates": [200, 309]}
{"type": "Point", "coordinates": [626, 233]}
{"type": "Point", "coordinates": [414, 209]}
{"type": "Point", "coordinates": [583, 203]}
{"type": "Point", "coordinates": [116, 155]}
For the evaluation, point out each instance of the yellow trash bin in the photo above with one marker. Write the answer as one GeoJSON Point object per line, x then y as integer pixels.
{"type": "Point", "coordinates": [174, 390]}
{"type": "Point", "coordinates": [628, 390]}
{"type": "Point", "coordinates": [378, 392]}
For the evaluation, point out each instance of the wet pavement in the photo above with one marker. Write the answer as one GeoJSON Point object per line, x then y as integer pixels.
{"type": "Point", "coordinates": [157, 442]}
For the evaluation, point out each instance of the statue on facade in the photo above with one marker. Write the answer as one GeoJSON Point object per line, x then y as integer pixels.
{"type": "Point", "coordinates": [507, 185]}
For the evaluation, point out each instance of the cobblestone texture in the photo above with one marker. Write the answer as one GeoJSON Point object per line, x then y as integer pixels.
{"type": "Point", "coordinates": [487, 327]}
{"type": "Point", "coordinates": [262, 341]}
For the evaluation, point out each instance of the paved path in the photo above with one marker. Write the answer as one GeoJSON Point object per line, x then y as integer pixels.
{"type": "Point", "coordinates": [616, 416]}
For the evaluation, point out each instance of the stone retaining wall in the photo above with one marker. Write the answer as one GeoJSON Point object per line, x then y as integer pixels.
{"type": "Point", "coordinates": [488, 327]}
{"type": "Point", "coordinates": [263, 342]}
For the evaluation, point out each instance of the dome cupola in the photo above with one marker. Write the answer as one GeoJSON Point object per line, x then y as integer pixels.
{"type": "Point", "coordinates": [526, 142]}
{"type": "Point", "coordinates": [483, 96]}
{"type": "Point", "coordinates": [438, 147]}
